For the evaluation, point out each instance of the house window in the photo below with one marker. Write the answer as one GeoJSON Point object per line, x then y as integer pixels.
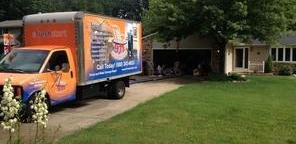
{"type": "Point", "coordinates": [287, 54]}
{"type": "Point", "coordinates": [294, 54]}
{"type": "Point", "coordinates": [283, 54]}
{"type": "Point", "coordinates": [280, 54]}
{"type": "Point", "coordinates": [273, 54]}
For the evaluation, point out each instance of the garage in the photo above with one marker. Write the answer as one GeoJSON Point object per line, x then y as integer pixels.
{"type": "Point", "coordinates": [190, 53]}
{"type": "Point", "coordinates": [189, 58]}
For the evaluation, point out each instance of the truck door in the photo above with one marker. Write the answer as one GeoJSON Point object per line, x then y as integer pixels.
{"type": "Point", "coordinates": [61, 77]}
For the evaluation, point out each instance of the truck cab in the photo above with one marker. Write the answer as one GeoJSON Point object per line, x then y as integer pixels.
{"type": "Point", "coordinates": [30, 68]}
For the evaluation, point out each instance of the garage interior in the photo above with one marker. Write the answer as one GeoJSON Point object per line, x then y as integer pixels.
{"type": "Point", "coordinates": [189, 59]}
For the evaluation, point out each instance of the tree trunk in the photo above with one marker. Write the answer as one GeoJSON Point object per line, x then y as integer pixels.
{"type": "Point", "coordinates": [177, 50]}
{"type": "Point", "coordinates": [218, 57]}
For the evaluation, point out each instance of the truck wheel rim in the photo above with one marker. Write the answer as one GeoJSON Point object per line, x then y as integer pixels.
{"type": "Point", "coordinates": [120, 91]}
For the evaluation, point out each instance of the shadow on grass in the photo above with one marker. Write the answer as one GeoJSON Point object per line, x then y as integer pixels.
{"type": "Point", "coordinates": [209, 77]}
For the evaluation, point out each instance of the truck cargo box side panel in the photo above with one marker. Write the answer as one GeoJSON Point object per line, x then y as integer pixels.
{"type": "Point", "coordinates": [51, 33]}
{"type": "Point", "coordinates": [112, 48]}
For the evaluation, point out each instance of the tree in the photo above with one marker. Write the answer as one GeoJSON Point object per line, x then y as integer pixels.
{"type": "Point", "coordinates": [16, 9]}
{"type": "Point", "coordinates": [220, 20]}
{"type": "Point", "coordinates": [127, 9]}
{"type": "Point", "coordinates": [13, 9]}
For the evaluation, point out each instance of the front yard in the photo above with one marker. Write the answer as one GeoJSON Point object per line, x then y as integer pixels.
{"type": "Point", "coordinates": [262, 110]}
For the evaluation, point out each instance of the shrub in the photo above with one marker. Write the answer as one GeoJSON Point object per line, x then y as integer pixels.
{"type": "Point", "coordinates": [279, 66]}
{"type": "Point", "coordinates": [268, 65]}
{"type": "Point", "coordinates": [216, 77]}
{"type": "Point", "coordinates": [237, 77]}
{"type": "Point", "coordinates": [286, 70]}
{"type": "Point", "coordinates": [9, 110]}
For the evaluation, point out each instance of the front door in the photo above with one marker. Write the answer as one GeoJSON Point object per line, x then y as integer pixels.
{"type": "Point", "coordinates": [241, 58]}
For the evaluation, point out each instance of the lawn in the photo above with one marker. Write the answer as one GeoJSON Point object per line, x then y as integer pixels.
{"type": "Point", "coordinates": [261, 111]}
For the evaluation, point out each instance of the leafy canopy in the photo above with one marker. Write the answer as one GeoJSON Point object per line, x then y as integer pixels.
{"type": "Point", "coordinates": [221, 20]}
{"type": "Point", "coordinates": [16, 9]}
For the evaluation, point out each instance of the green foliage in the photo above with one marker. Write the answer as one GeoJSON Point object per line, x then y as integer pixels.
{"type": "Point", "coordinates": [16, 9]}
{"type": "Point", "coordinates": [217, 77]}
{"type": "Point", "coordinates": [221, 20]}
{"type": "Point", "coordinates": [237, 77]}
{"type": "Point", "coordinates": [285, 70]}
{"type": "Point", "coordinates": [268, 65]}
{"type": "Point", "coordinates": [279, 66]}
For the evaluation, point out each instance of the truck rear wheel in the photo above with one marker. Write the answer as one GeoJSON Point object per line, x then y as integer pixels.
{"type": "Point", "coordinates": [116, 90]}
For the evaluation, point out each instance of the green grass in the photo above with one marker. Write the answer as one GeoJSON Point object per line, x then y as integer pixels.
{"type": "Point", "coordinates": [261, 111]}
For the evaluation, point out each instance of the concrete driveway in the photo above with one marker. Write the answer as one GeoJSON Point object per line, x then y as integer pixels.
{"type": "Point", "coordinates": [70, 118]}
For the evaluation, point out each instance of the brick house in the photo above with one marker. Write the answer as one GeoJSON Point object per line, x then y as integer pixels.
{"type": "Point", "coordinates": [239, 57]}
{"type": "Point", "coordinates": [13, 27]}
{"type": "Point", "coordinates": [251, 57]}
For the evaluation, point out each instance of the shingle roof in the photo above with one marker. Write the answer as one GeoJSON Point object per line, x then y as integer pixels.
{"type": "Point", "coordinates": [290, 39]}
{"type": "Point", "coordinates": [11, 23]}
{"type": "Point", "coordinates": [257, 42]}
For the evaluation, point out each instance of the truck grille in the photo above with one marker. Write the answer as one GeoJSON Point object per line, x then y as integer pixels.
{"type": "Point", "coordinates": [1, 92]}
{"type": "Point", "coordinates": [14, 91]}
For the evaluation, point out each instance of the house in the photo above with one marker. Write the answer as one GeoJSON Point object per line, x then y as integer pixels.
{"type": "Point", "coordinates": [251, 57]}
{"type": "Point", "coordinates": [238, 57]}
{"type": "Point", "coordinates": [13, 27]}
{"type": "Point", "coordinates": [245, 58]}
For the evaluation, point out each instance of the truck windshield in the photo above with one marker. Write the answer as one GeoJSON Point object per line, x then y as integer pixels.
{"type": "Point", "coordinates": [23, 61]}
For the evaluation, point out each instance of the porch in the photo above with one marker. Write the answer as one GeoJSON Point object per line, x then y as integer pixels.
{"type": "Point", "coordinates": [243, 58]}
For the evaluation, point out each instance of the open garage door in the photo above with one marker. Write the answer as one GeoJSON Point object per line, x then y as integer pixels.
{"type": "Point", "coordinates": [189, 59]}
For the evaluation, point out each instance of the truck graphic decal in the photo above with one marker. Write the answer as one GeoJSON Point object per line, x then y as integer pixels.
{"type": "Point", "coordinates": [114, 45]}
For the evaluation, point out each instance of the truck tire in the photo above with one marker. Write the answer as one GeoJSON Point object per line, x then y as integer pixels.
{"type": "Point", "coordinates": [116, 90]}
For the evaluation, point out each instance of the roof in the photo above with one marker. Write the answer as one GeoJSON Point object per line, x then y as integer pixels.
{"type": "Point", "coordinates": [62, 17]}
{"type": "Point", "coordinates": [257, 42]}
{"type": "Point", "coordinates": [11, 23]}
{"type": "Point", "coordinates": [290, 39]}
{"type": "Point", "coordinates": [57, 16]}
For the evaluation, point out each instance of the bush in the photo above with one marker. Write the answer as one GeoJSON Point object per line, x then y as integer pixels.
{"type": "Point", "coordinates": [237, 77]}
{"type": "Point", "coordinates": [278, 66]}
{"type": "Point", "coordinates": [216, 77]}
{"type": "Point", "coordinates": [286, 70]}
{"type": "Point", "coordinates": [268, 65]}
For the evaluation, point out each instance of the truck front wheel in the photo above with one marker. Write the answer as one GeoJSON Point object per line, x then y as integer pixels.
{"type": "Point", "coordinates": [116, 90]}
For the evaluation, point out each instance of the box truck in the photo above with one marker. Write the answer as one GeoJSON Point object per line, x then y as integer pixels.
{"type": "Point", "coordinates": [74, 55]}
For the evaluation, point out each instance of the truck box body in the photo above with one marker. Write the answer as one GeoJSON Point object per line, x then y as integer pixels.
{"type": "Point", "coordinates": [74, 55]}
{"type": "Point", "coordinates": [103, 48]}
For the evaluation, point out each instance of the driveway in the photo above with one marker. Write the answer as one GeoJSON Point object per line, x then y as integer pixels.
{"type": "Point", "coordinates": [72, 117]}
